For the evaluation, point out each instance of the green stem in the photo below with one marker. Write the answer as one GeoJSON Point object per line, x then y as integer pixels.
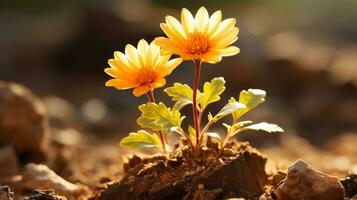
{"type": "Point", "coordinates": [151, 98]}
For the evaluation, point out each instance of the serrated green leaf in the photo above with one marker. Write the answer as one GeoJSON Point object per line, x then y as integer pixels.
{"type": "Point", "coordinates": [192, 134]}
{"type": "Point", "coordinates": [229, 108]}
{"type": "Point", "coordinates": [182, 95]}
{"type": "Point", "coordinates": [263, 126]}
{"type": "Point", "coordinates": [141, 139]}
{"type": "Point", "coordinates": [159, 117]}
{"type": "Point", "coordinates": [236, 128]}
{"type": "Point", "coordinates": [215, 136]}
{"type": "Point", "coordinates": [251, 99]}
{"type": "Point", "coordinates": [212, 91]}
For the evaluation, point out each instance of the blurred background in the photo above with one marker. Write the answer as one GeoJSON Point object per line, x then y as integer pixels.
{"type": "Point", "coordinates": [303, 53]}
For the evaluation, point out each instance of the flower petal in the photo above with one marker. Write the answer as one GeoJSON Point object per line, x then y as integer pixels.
{"type": "Point", "coordinates": [187, 21]}
{"type": "Point", "coordinates": [175, 26]}
{"type": "Point", "coordinates": [120, 57]}
{"type": "Point", "coordinates": [172, 34]}
{"type": "Point", "coordinates": [224, 27]}
{"type": "Point", "coordinates": [168, 45]}
{"type": "Point", "coordinates": [132, 55]}
{"type": "Point", "coordinates": [123, 69]}
{"type": "Point", "coordinates": [166, 69]}
{"type": "Point", "coordinates": [158, 83]}
{"type": "Point", "coordinates": [227, 39]}
{"type": "Point", "coordinates": [229, 51]}
{"type": "Point", "coordinates": [120, 84]}
{"type": "Point", "coordinates": [142, 50]}
{"type": "Point", "coordinates": [138, 91]}
{"type": "Point", "coordinates": [155, 50]}
{"type": "Point", "coordinates": [214, 21]}
{"type": "Point", "coordinates": [211, 58]}
{"type": "Point", "coordinates": [201, 20]}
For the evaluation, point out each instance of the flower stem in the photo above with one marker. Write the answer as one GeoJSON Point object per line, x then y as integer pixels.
{"type": "Point", "coordinates": [150, 95]}
{"type": "Point", "coordinates": [194, 101]}
{"type": "Point", "coordinates": [151, 98]}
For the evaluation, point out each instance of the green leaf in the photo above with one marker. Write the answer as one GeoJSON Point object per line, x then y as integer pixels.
{"type": "Point", "coordinates": [159, 117]}
{"type": "Point", "coordinates": [229, 108]}
{"type": "Point", "coordinates": [215, 136]}
{"type": "Point", "coordinates": [141, 139]}
{"type": "Point", "coordinates": [182, 94]}
{"type": "Point", "coordinates": [251, 99]}
{"type": "Point", "coordinates": [211, 91]}
{"type": "Point", "coordinates": [210, 116]}
{"type": "Point", "coordinates": [192, 134]}
{"type": "Point", "coordinates": [236, 128]}
{"type": "Point", "coordinates": [263, 126]}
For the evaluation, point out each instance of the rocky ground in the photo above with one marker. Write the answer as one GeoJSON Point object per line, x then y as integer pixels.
{"type": "Point", "coordinates": [38, 161]}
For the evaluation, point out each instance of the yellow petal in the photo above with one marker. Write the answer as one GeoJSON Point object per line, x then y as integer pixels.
{"type": "Point", "coordinates": [166, 69]}
{"type": "Point", "coordinates": [214, 21]}
{"type": "Point", "coordinates": [168, 45]}
{"type": "Point", "coordinates": [143, 47]}
{"type": "Point", "coordinates": [138, 91]}
{"type": "Point", "coordinates": [225, 26]}
{"type": "Point", "coordinates": [120, 84]}
{"type": "Point", "coordinates": [211, 58]}
{"type": "Point", "coordinates": [120, 57]}
{"type": "Point", "coordinates": [172, 64]}
{"type": "Point", "coordinates": [226, 39]}
{"type": "Point", "coordinates": [175, 26]}
{"type": "Point", "coordinates": [187, 21]}
{"type": "Point", "coordinates": [111, 72]}
{"type": "Point", "coordinates": [148, 60]}
{"type": "Point", "coordinates": [163, 59]}
{"type": "Point", "coordinates": [118, 65]}
{"type": "Point", "coordinates": [155, 50]}
{"type": "Point", "coordinates": [229, 51]}
{"type": "Point", "coordinates": [171, 34]}
{"type": "Point", "coordinates": [132, 55]}
{"type": "Point", "coordinates": [159, 83]}
{"type": "Point", "coordinates": [201, 20]}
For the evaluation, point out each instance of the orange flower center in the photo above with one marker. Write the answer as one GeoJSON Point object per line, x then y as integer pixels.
{"type": "Point", "coordinates": [197, 43]}
{"type": "Point", "coordinates": [146, 76]}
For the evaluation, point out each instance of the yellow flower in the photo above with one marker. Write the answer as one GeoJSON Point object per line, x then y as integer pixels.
{"type": "Point", "coordinates": [201, 37]}
{"type": "Point", "coordinates": [142, 68]}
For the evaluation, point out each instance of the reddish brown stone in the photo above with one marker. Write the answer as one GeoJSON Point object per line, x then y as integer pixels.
{"type": "Point", "coordinates": [304, 183]}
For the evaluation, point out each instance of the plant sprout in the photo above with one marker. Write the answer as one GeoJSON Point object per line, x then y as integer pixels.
{"type": "Point", "coordinates": [202, 39]}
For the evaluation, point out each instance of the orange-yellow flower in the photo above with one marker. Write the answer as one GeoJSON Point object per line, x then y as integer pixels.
{"type": "Point", "coordinates": [201, 37]}
{"type": "Point", "coordinates": [142, 68]}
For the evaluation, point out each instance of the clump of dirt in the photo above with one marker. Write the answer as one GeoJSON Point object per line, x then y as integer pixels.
{"type": "Point", "coordinates": [238, 170]}
{"type": "Point", "coordinates": [44, 195]}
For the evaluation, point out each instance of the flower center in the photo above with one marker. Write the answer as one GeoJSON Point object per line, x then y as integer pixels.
{"type": "Point", "coordinates": [146, 76]}
{"type": "Point", "coordinates": [197, 43]}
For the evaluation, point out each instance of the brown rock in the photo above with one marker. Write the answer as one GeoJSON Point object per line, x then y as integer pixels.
{"type": "Point", "coordinates": [8, 161]}
{"type": "Point", "coordinates": [304, 183]}
{"type": "Point", "coordinates": [23, 122]}
{"type": "Point", "coordinates": [5, 193]}
{"type": "Point", "coordinates": [40, 176]}
{"type": "Point", "coordinates": [350, 185]}
{"type": "Point", "coordinates": [207, 194]}
{"type": "Point", "coordinates": [275, 178]}
{"type": "Point", "coordinates": [44, 195]}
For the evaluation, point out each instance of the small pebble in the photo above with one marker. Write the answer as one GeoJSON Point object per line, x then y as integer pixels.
{"type": "Point", "coordinates": [201, 186]}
